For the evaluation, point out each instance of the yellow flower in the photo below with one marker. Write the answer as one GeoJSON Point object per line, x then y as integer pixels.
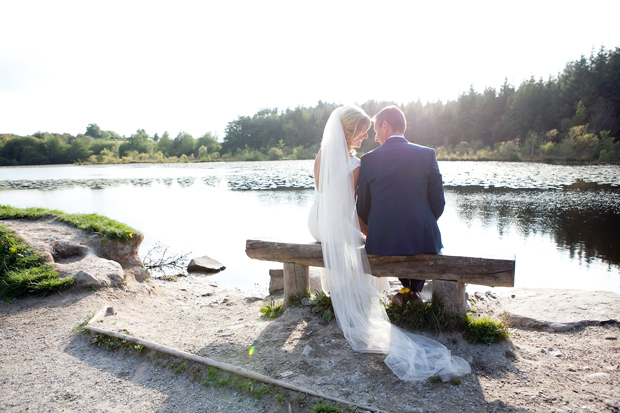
{"type": "Point", "coordinates": [404, 290]}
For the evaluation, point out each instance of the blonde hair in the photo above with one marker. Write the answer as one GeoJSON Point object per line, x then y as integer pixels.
{"type": "Point", "coordinates": [355, 121]}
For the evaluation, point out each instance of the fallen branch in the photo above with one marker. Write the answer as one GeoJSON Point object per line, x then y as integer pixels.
{"type": "Point", "coordinates": [157, 259]}
{"type": "Point", "coordinates": [218, 365]}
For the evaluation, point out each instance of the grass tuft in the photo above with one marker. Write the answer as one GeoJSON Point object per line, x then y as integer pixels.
{"type": "Point", "coordinates": [23, 270]}
{"type": "Point", "coordinates": [325, 406]}
{"type": "Point", "coordinates": [430, 316]}
{"type": "Point", "coordinates": [484, 330]}
{"type": "Point", "coordinates": [272, 309]}
{"type": "Point", "coordinates": [94, 223]}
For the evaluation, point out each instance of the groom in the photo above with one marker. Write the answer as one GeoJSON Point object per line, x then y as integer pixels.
{"type": "Point", "coordinates": [400, 195]}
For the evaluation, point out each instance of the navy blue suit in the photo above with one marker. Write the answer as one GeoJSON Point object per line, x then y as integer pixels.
{"type": "Point", "coordinates": [400, 196]}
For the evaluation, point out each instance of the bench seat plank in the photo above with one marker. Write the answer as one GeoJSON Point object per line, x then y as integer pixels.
{"type": "Point", "coordinates": [490, 271]}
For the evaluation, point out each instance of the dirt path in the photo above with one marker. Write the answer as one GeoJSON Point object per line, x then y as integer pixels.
{"type": "Point", "coordinates": [45, 366]}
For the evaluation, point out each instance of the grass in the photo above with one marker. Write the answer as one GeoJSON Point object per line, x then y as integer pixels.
{"type": "Point", "coordinates": [114, 343]}
{"type": "Point", "coordinates": [213, 377]}
{"type": "Point", "coordinates": [322, 305]}
{"type": "Point", "coordinates": [272, 309]}
{"type": "Point", "coordinates": [484, 330]}
{"type": "Point", "coordinates": [23, 270]}
{"type": "Point", "coordinates": [432, 317]}
{"type": "Point", "coordinates": [94, 223]}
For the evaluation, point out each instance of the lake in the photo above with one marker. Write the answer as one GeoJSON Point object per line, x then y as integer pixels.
{"type": "Point", "coordinates": [562, 222]}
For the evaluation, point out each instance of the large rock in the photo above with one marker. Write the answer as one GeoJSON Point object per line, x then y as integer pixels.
{"type": "Point", "coordinates": [94, 260]}
{"type": "Point", "coordinates": [276, 283]}
{"type": "Point", "coordinates": [205, 264]}
{"type": "Point", "coordinates": [558, 310]}
{"type": "Point", "coordinates": [88, 269]}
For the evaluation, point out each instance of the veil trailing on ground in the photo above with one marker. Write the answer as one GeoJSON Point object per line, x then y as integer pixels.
{"type": "Point", "coordinates": [357, 304]}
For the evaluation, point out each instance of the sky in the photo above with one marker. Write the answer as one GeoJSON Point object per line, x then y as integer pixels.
{"type": "Point", "coordinates": [194, 66]}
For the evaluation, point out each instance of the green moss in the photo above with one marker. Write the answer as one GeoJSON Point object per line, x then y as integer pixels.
{"type": "Point", "coordinates": [484, 330]}
{"type": "Point", "coordinates": [94, 223]}
{"type": "Point", "coordinates": [23, 270]}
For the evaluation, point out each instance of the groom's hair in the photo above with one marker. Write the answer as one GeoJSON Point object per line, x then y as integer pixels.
{"type": "Point", "coordinates": [393, 116]}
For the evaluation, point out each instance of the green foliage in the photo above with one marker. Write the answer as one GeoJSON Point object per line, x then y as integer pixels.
{"type": "Point", "coordinates": [272, 309]}
{"type": "Point", "coordinates": [95, 223]}
{"type": "Point", "coordinates": [323, 306]}
{"type": "Point", "coordinates": [79, 328]}
{"type": "Point", "coordinates": [325, 406]}
{"type": "Point", "coordinates": [116, 343]}
{"type": "Point", "coordinates": [484, 330]}
{"type": "Point", "coordinates": [530, 122]}
{"type": "Point", "coordinates": [430, 316]}
{"type": "Point", "coordinates": [23, 270]}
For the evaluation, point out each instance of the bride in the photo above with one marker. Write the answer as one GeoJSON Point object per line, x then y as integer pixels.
{"type": "Point", "coordinates": [355, 293]}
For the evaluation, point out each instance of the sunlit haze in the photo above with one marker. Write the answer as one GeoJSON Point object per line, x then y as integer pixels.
{"type": "Point", "coordinates": [195, 66]}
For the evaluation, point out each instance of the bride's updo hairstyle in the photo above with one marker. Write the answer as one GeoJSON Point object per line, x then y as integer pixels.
{"type": "Point", "coordinates": [355, 121]}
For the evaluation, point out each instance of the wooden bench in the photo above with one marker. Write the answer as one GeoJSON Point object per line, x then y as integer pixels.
{"type": "Point", "coordinates": [449, 273]}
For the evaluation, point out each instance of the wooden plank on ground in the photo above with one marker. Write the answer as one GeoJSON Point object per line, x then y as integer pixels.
{"type": "Point", "coordinates": [491, 271]}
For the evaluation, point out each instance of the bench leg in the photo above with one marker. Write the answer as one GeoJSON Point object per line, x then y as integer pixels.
{"type": "Point", "coordinates": [452, 295]}
{"type": "Point", "coordinates": [296, 280]}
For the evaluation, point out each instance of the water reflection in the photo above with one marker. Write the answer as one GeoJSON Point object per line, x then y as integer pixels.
{"type": "Point", "coordinates": [562, 222]}
{"type": "Point", "coordinates": [586, 223]}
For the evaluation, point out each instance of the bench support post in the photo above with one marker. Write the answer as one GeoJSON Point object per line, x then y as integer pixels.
{"type": "Point", "coordinates": [296, 280]}
{"type": "Point", "coordinates": [452, 295]}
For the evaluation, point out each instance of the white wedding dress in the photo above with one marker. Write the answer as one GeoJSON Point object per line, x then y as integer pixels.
{"type": "Point", "coordinates": [356, 299]}
{"type": "Point", "coordinates": [313, 218]}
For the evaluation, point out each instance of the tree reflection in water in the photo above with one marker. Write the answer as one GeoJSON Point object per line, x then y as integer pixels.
{"type": "Point", "coordinates": [582, 219]}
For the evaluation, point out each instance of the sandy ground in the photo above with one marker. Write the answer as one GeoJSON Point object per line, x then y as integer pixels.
{"type": "Point", "coordinates": [46, 366]}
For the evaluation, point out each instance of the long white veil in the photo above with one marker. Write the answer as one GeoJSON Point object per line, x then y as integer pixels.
{"type": "Point", "coordinates": [357, 304]}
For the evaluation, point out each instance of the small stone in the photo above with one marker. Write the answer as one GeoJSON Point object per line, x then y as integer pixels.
{"type": "Point", "coordinates": [307, 350]}
{"type": "Point", "coordinates": [307, 301]}
{"type": "Point", "coordinates": [205, 264]}
{"type": "Point", "coordinates": [611, 338]}
{"type": "Point", "coordinates": [109, 311]}
{"type": "Point", "coordinates": [598, 377]}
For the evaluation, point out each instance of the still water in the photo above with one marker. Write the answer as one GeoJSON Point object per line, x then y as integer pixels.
{"type": "Point", "coordinates": [562, 222]}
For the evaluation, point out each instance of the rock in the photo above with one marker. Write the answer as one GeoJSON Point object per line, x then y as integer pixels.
{"type": "Point", "coordinates": [315, 279]}
{"type": "Point", "coordinates": [560, 310]}
{"type": "Point", "coordinates": [598, 377]}
{"type": "Point", "coordinates": [276, 283]}
{"type": "Point", "coordinates": [307, 350]}
{"type": "Point", "coordinates": [85, 280]}
{"type": "Point", "coordinates": [205, 264]}
{"type": "Point", "coordinates": [89, 270]}
{"type": "Point", "coordinates": [69, 247]}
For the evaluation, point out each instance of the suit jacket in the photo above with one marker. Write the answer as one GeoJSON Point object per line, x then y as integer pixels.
{"type": "Point", "coordinates": [400, 196]}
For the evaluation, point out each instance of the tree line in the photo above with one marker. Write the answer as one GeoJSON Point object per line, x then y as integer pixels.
{"type": "Point", "coordinates": [572, 116]}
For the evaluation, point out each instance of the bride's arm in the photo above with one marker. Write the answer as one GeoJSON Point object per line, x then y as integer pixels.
{"type": "Point", "coordinates": [356, 177]}
{"type": "Point", "coordinates": [317, 170]}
